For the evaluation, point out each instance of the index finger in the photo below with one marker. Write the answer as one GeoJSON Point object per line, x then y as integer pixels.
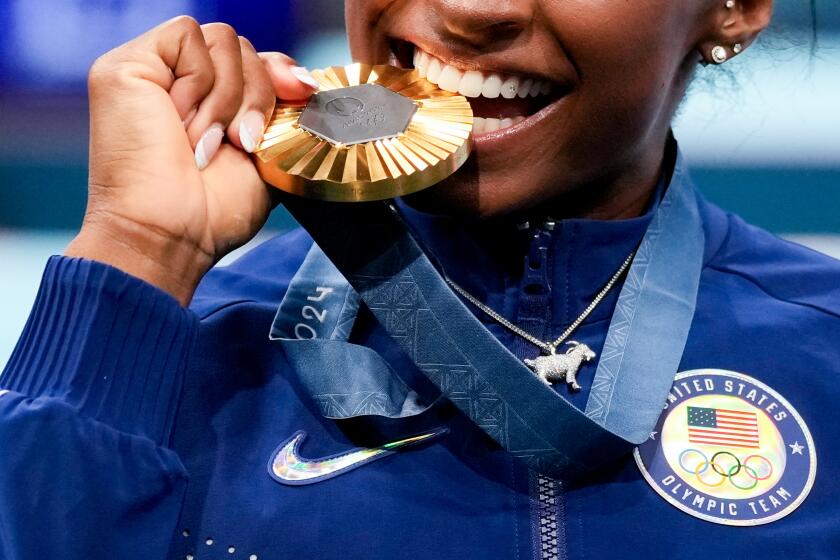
{"type": "Point", "coordinates": [290, 82]}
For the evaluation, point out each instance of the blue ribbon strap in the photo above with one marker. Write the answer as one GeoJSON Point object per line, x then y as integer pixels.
{"type": "Point", "coordinates": [379, 257]}
{"type": "Point", "coordinates": [653, 315]}
{"type": "Point", "coordinates": [312, 324]}
{"type": "Point", "coordinates": [319, 303]}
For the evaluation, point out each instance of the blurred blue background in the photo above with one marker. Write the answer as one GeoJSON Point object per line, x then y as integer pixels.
{"type": "Point", "coordinates": [762, 133]}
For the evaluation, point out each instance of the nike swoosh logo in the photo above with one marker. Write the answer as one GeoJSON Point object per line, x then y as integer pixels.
{"type": "Point", "coordinates": [288, 467]}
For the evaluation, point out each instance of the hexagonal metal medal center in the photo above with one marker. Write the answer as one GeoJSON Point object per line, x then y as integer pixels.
{"type": "Point", "coordinates": [357, 114]}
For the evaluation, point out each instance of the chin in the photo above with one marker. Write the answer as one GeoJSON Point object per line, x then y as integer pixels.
{"type": "Point", "coordinates": [458, 195]}
{"type": "Point", "coordinates": [478, 191]}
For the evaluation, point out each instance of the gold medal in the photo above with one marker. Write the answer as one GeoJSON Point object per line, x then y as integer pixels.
{"type": "Point", "coordinates": [370, 133]}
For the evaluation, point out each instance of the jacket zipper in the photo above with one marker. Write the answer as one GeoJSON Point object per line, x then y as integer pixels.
{"type": "Point", "coordinates": [548, 518]}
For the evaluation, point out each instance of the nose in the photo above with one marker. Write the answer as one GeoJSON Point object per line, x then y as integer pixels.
{"type": "Point", "coordinates": [479, 23]}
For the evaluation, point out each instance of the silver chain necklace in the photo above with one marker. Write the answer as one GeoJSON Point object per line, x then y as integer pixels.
{"type": "Point", "coordinates": [553, 367]}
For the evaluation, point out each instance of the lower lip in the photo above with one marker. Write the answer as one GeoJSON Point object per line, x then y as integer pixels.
{"type": "Point", "coordinates": [506, 138]}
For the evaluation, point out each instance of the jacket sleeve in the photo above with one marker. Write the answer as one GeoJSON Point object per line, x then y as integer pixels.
{"type": "Point", "coordinates": [87, 403]}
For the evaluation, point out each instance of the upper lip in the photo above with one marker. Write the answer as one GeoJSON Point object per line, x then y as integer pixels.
{"type": "Point", "coordinates": [486, 63]}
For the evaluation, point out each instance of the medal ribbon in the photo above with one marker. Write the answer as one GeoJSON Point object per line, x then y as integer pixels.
{"type": "Point", "coordinates": [375, 252]}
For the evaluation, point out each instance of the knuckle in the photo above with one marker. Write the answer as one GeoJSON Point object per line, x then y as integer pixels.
{"type": "Point", "coordinates": [185, 24]}
{"type": "Point", "coordinates": [104, 70]}
{"type": "Point", "coordinates": [111, 73]}
{"type": "Point", "coordinates": [246, 45]}
{"type": "Point", "coordinates": [221, 31]}
{"type": "Point", "coordinates": [98, 68]}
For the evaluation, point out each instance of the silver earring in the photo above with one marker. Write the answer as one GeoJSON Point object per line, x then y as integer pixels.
{"type": "Point", "coordinates": [737, 48]}
{"type": "Point", "coordinates": [730, 4]}
{"type": "Point", "coordinates": [719, 55]}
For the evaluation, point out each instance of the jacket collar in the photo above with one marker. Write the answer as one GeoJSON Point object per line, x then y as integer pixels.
{"type": "Point", "coordinates": [566, 265]}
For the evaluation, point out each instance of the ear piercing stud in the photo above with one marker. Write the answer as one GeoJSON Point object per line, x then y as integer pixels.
{"type": "Point", "coordinates": [719, 54]}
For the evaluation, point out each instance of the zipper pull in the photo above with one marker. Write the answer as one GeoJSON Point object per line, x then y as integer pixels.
{"type": "Point", "coordinates": [536, 263]}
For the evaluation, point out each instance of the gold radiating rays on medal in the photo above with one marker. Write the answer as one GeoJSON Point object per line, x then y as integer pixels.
{"type": "Point", "coordinates": [435, 144]}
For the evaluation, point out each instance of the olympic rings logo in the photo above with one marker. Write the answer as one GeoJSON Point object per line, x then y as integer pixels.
{"type": "Point", "coordinates": [725, 466]}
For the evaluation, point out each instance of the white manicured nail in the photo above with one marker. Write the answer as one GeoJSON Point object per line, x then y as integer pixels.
{"type": "Point", "coordinates": [208, 145]}
{"type": "Point", "coordinates": [251, 129]}
{"type": "Point", "coordinates": [305, 77]}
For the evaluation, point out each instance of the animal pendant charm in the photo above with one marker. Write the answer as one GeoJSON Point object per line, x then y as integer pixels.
{"type": "Point", "coordinates": [562, 367]}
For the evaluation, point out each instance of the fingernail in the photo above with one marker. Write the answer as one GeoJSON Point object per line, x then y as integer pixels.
{"type": "Point", "coordinates": [251, 129]}
{"type": "Point", "coordinates": [208, 145]}
{"type": "Point", "coordinates": [302, 74]}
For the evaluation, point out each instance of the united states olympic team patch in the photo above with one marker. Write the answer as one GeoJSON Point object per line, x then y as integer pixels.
{"type": "Point", "coordinates": [729, 449]}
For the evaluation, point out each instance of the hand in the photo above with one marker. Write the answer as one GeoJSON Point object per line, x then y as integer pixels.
{"type": "Point", "coordinates": [168, 196]}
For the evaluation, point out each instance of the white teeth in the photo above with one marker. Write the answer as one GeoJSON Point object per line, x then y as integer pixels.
{"type": "Point", "coordinates": [492, 86]}
{"type": "Point", "coordinates": [435, 68]}
{"type": "Point", "coordinates": [471, 84]}
{"type": "Point", "coordinates": [483, 125]}
{"type": "Point", "coordinates": [421, 62]}
{"type": "Point", "coordinates": [525, 88]}
{"type": "Point", "coordinates": [450, 79]}
{"type": "Point", "coordinates": [546, 88]}
{"type": "Point", "coordinates": [491, 124]}
{"type": "Point", "coordinates": [478, 125]}
{"type": "Point", "coordinates": [510, 87]}
{"type": "Point", "coordinates": [475, 83]}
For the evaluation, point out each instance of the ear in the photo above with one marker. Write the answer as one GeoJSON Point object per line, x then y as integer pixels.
{"type": "Point", "coordinates": [734, 25]}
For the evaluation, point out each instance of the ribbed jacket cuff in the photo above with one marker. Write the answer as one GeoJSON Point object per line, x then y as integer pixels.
{"type": "Point", "coordinates": [112, 346]}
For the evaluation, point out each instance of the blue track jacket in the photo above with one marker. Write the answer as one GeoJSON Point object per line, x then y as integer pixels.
{"type": "Point", "coordinates": [132, 428]}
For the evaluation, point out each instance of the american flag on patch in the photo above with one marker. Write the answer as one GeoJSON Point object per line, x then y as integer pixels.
{"type": "Point", "coordinates": [718, 426]}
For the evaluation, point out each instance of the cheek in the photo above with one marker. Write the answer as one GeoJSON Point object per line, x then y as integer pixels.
{"type": "Point", "coordinates": [358, 17]}
{"type": "Point", "coordinates": [628, 55]}
{"type": "Point", "coordinates": [364, 21]}
{"type": "Point", "coordinates": [620, 107]}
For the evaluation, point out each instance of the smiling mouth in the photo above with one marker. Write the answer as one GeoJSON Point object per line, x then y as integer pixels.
{"type": "Point", "coordinates": [499, 100]}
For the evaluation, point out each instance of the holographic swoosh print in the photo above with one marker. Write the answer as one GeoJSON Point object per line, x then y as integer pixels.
{"type": "Point", "coordinates": [288, 467]}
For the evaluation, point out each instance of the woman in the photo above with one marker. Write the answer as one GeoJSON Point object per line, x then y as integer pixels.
{"type": "Point", "coordinates": [147, 412]}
